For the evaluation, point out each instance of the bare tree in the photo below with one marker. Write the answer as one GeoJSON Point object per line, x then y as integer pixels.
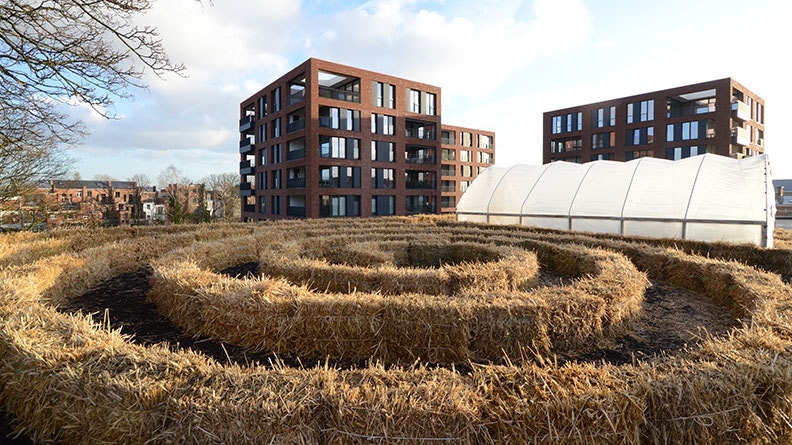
{"type": "Point", "coordinates": [226, 189]}
{"type": "Point", "coordinates": [171, 175]}
{"type": "Point", "coordinates": [103, 177]}
{"type": "Point", "coordinates": [65, 51]}
{"type": "Point", "coordinates": [141, 179]}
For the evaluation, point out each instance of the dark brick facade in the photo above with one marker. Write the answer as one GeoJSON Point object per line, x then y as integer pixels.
{"type": "Point", "coordinates": [291, 159]}
{"type": "Point", "coordinates": [719, 116]}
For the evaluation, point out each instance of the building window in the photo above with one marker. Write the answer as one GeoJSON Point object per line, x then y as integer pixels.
{"type": "Point", "coordinates": [448, 170]}
{"type": "Point", "coordinates": [382, 178]}
{"type": "Point", "coordinates": [640, 136]}
{"type": "Point", "coordinates": [690, 130]}
{"type": "Point", "coordinates": [447, 201]}
{"type": "Point", "coordinates": [276, 127]}
{"type": "Point", "coordinates": [670, 133]}
{"type": "Point", "coordinates": [262, 133]}
{"type": "Point", "coordinates": [339, 118]}
{"type": "Point", "coordinates": [431, 104]}
{"type": "Point", "coordinates": [569, 144]}
{"type": "Point", "coordinates": [276, 153]}
{"type": "Point", "coordinates": [339, 148]}
{"type": "Point", "coordinates": [384, 95]}
{"type": "Point", "coordinates": [419, 204]}
{"type": "Point", "coordinates": [465, 139]}
{"type": "Point", "coordinates": [484, 158]}
{"type": "Point", "coordinates": [556, 124]}
{"type": "Point", "coordinates": [382, 124]}
{"type": "Point", "coordinates": [276, 100]}
{"type": "Point", "coordinates": [678, 153]}
{"type": "Point", "coordinates": [379, 93]}
{"type": "Point", "coordinates": [276, 205]}
{"type": "Point", "coordinates": [465, 156]}
{"type": "Point", "coordinates": [348, 205]}
{"type": "Point", "coordinates": [647, 110]}
{"type": "Point", "coordinates": [415, 101]}
{"type": "Point", "coordinates": [604, 117]}
{"type": "Point", "coordinates": [262, 204]}
{"type": "Point", "coordinates": [262, 182]}
{"type": "Point", "coordinates": [630, 113]}
{"type": "Point", "coordinates": [448, 154]}
{"type": "Point", "coordinates": [603, 140]}
{"type": "Point", "coordinates": [276, 179]}
{"type": "Point", "coordinates": [630, 155]}
{"type": "Point", "coordinates": [382, 151]}
{"type": "Point", "coordinates": [262, 106]}
{"type": "Point", "coordinates": [467, 171]}
{"type": "Point", "coordinates": [339, 176]}
{"type": "Point", "coordinates": [485, 141]}
{"type": "Point", "coordinates": [448, 186]}
{"type": "Point", "coordinates": [601, 157]}
{"type": "Point", "coordinates": [263, 156]}
{"type": "Point", "coordinates": [383, 205]}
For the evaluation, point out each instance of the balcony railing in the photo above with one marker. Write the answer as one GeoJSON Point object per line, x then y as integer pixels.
{"type": "Point", "coordinates": [420, 133]}
{"type": "Point", "coordinates": [295, 126]}
{"type": "Point", "coordinates": [245, 146]}
{"type": "Point", "coordinates": [245, 124]}
{"type": "Point", "coordinates": [245, 168]}
{"type": "Point", "coordinates": [295, 154]}
{"type": "Point", "coordinates": [296, 98]}
{"type": "Point", "coordinates": [249, 208]}
{"type": "Point", "coordinates": [421, 160]}
{"type": "Point", "coordinates": [295, 183]}
{"type": "Point", "coordinates": [420, 208]}
{"type": "Point", "coordinates": [423, 185]}
{"type": "Point", "coordinates": [333, 93]}
{"type": "Point", "coordinates": [740, 136]}
{"type": "Point", "coordinates": [245, 189]}
{"type": "Point", "coordinates": [741, 110]}
{"type": "Point", "coordinates": [295, 211]}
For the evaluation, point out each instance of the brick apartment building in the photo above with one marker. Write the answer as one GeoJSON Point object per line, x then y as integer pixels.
{"type": "Point", "coordinates": [332, 140]}
{"type": "Point", "coordinates": [56, 203]}
{"type": "Point", "coordinates": [719, 116]}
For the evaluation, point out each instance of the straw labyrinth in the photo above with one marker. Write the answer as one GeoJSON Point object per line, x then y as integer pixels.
{"type": "Point", "coordinates": [440, 331]}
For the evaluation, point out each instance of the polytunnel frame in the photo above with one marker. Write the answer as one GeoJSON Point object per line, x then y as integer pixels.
{"type": "Point", "coordinates": [766, 235]}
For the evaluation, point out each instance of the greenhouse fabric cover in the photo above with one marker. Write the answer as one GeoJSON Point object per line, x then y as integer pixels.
{"type": "Point", "coordinates": [706, 198]}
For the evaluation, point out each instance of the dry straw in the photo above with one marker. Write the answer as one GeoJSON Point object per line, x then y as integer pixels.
{"type": "Point", "coordinates": [67, 380]}
{"type": "Point", "coordinates": [464, 311]}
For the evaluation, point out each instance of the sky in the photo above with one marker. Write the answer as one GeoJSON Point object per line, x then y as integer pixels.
{"type": "Point", "coordinates": [500, 65]}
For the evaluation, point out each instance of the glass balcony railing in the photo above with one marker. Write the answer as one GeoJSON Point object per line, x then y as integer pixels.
{"type": "Point", "coordinates": [295, 126]}
{"type": "Point", "coordinates": [333, 93]}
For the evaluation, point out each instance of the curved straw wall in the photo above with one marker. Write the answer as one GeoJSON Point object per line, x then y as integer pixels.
{"type": "Point", "coordinates": [68, 380]}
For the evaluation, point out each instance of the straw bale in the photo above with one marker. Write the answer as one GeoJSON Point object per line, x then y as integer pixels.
{"type": "Point", "coordinates": [413, 406]}
{"type": "Point", "coordinates": [572, 404]}
{"type": "Point", "coordinates": [69, 381]}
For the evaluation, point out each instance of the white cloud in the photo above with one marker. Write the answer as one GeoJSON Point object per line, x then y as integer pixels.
{"type": "Point", "coordinates": [469, 54]}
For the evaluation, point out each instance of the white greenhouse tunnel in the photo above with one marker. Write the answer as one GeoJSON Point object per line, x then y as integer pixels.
{"type": "Point", "coordinates": [706, 198]}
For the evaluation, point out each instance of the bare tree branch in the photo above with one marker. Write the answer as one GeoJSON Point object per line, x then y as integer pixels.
{"type": "Point", "coordinates": [55, 52]}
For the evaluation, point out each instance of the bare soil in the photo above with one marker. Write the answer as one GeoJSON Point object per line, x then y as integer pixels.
{"type": "Point", "coordinates": [672, 319]}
